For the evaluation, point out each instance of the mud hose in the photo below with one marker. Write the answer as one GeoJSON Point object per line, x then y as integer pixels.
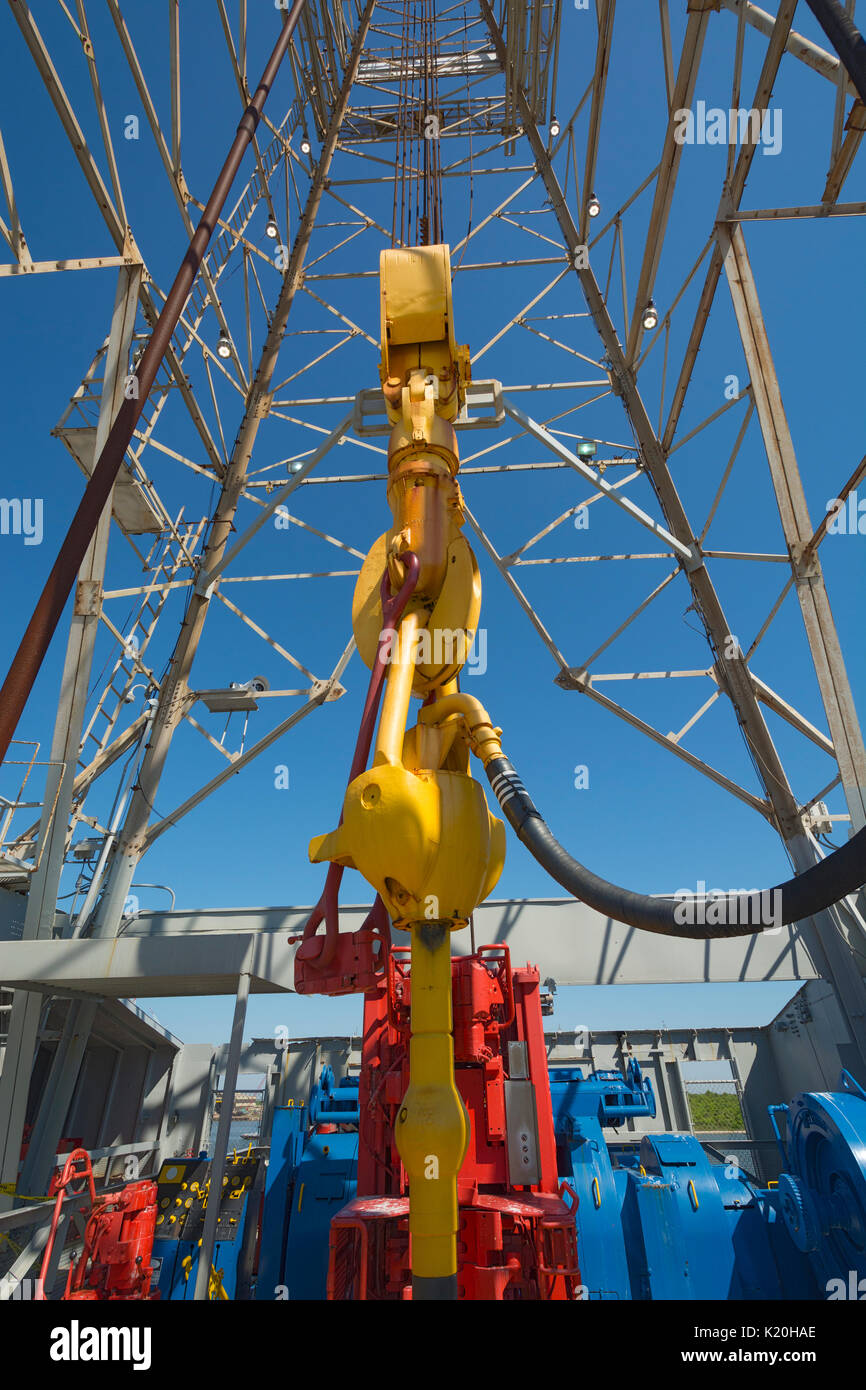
{"type": "Point", "coordinates": [696, 918]}
{"type": "Point", "coordinates": [845, 38]}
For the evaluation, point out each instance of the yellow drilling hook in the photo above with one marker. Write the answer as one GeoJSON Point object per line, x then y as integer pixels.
{"type": "Point", "coordinates": [415, 823]}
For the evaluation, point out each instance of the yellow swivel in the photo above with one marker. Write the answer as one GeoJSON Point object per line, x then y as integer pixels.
{"type": "Point", "coordinates": [415, 824]}
{"type": "Point", "coordinates": [425, 841]}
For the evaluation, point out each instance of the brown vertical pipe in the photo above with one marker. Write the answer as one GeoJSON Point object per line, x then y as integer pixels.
{"type": "Point", "coordinates": [46, 615]}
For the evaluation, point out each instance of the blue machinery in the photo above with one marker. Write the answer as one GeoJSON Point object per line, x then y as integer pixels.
{"type": "Point", "coordinates": [658, 1218]}
{"type": "Point", "coordinates": [183, 1191]}
{"type": "Point", "coordinates": [311, 1175]}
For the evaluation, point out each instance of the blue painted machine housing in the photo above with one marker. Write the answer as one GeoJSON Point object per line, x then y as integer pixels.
{"type": "Point", "coordinates": [331, 1103]}
{"type": "Point", "coordinates": [821, 1197]}
{"type": "Point", "coordinates": [608, 1095]}
{"type": "Point", "coordinates": [657, 1218]}
{"type": "Point", "coordinates": [175, 1282]}
{"type": "Point", "coordinates": [581, 1106]}
{"type": "Point", "coordinates": [694, 1229]}
{"type": "Point", "coordinates": [311, 1175]}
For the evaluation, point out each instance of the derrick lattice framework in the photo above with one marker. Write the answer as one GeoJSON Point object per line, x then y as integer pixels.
{"type": "Point", "coordinates": [590, 303]}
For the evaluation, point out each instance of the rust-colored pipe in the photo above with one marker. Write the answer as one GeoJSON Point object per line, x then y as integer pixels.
{"type": "Point", "coordinates": [46, 615]}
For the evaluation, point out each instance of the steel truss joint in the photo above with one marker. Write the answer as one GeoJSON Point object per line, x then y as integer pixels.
{"type": "Point", "coordinates": [326, 691]}
{"type": "Point", "coordinates": [804, 561]}
{"type": "Point", "coordinates": [88, 598]}
{"type": "Point", "coordinates": [572, 678]}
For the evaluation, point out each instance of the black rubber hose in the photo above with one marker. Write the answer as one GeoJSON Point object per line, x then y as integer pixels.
{"type": "Point", "coordinates": [686, 915]}
{"type": "Point", "coordinates": [845, 38]}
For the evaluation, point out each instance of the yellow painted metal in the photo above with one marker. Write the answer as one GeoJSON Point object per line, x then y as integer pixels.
{"type": "Point", "coordinates": [423, 495]}
{"type": "Point", "coordinates": [398, 691]}
{"type": "Point", "coordinates": [415, 823]}
{"type": "Point", "coordinates": [367, 603]}
{"type": "Point", "coordinates": [444, 745]}
{"type": "Point", "coordinates": [432, 1130]}
{"type": "Point", "coordinates": [485, 739]}
{"type": "Point", "coordinates": [414, 286]}
{"type": "Point", "coordinates": [426, 841]}
{"type": "Point", "coordinates": [215, 1289]}
{"type": "Point", "coordinates": [449, 626]}
{"type": "Point", "coordinates": [417, 327]}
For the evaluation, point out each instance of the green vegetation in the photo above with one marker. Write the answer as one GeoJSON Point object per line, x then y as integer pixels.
{"type": "Point", "coordinates": [715, 1110]}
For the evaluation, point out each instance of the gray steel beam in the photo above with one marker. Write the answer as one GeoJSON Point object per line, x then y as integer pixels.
{"type": "Point", "coordinates": [840, 168]}
{"type": "Point", "coordinates": [684, 553]}
{"type": "Point", "coordinates": [175, 686]}
{"type": "Point", "coordinates": [218, 1162]}
{"type": "Point", "coordinates": [327, 690]}
{"type": "Point", "coordinates": [669, 164]}
{"type": "Point", "coordinates": [203, 952]}
{"type": "Point", "coordinates": [828, 947]}
{"type": "Point", "coordinates": [65, 750]}
{"type": "Point", "coordinates": [763, 93]}
{"type": "Point", "coordinates": [606, 10]}
{"type": "Point", "coordinates": [733, 674]}
{"type": "Point", "coordinates": [821, 633]}
{"type": "Point", "coordinates": [121, 235]}
{"type": "Point", "coordinates": [56, 1099]}
{"type": "Point", "coordinates": [815, 57]}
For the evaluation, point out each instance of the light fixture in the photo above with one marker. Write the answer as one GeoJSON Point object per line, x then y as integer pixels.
{"type": "Point", "coordinates": [650, 317]}
{"type": "Point", "coordinates": [305, 146]}
{"type": "Point", "coordinates": [554, 128]}
{"type": "Point", "coordinates": [593, 207]}
{"type": "Point", "coordinates": [86, 849]}
{"type": "Point", "coordinates": [587, 449]}
{"type": "Point", "coordinates": [239, 696]}
{"type": "Point", "coordinates": [271, 229]}
{"type": "Point", "coordinates": [223, 347]}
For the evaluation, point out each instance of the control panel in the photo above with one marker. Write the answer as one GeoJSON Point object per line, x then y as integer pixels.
{"type": "Point", "coordinates": [183, 1193]}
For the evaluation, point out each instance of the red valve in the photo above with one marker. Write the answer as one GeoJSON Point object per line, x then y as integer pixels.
{"type": "Point", "coordinates": [114, 1263]}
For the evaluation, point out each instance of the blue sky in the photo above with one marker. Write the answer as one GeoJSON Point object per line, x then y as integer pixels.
{"type": "Point", "coordinates": [646, 819]}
